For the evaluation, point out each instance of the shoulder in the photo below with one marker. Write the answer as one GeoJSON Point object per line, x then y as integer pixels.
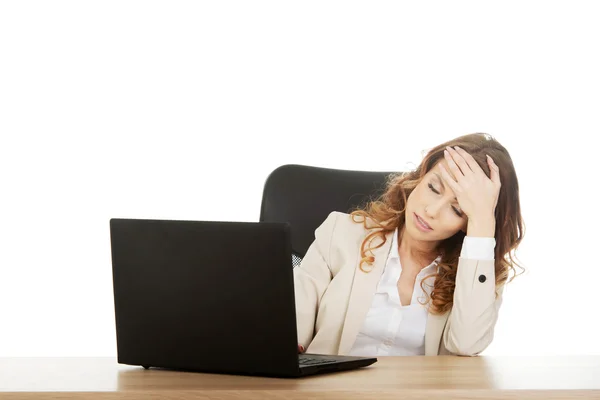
{"type": "Point", "coordinates": [341, 227]}
{"type": "Point", "coordinates": [338, 238]}
{"type": "Point", "coordinates": [342, 221]}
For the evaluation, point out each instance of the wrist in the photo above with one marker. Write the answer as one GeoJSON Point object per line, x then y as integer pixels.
{"type": "Point", "coordinates": [481, 227]}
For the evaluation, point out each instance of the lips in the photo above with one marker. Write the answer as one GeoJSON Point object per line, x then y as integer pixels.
{"type": "Point", "coordinates": [423, 222]}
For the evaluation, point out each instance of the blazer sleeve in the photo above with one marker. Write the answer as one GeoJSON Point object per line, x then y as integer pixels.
{"type": "Point", "coordinates": [311, 279]}
{"type": "Point", "coordinates": [470, 326]}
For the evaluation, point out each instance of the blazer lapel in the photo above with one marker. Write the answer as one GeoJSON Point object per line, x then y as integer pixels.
{"type": "Point", "coordinates": [364, 286]}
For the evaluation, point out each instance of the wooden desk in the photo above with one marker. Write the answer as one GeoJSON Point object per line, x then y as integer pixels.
{"type": "Point", "coordinates": [395, 378]}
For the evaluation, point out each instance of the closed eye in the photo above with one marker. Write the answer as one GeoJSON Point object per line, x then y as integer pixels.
{"type": "Point", "coordinates": [460, 214]}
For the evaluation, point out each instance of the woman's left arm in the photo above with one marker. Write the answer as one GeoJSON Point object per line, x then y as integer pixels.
{"type": "Point", "coordinates": [470, 326]}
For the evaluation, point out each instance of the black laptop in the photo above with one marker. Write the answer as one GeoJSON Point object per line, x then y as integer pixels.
{"type": "Point", "coordinates": [210, 297]}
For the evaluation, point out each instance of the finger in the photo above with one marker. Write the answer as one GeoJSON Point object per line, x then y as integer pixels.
{"type": "Point", "coordinates": [459, 160]}
{"type": "Point", "coordinates": [458, 173]}
{"type": "Point", "coordinates": [448, 179]}
{"type": "Point", "coordinates": [494, 171]}
{"type": "Point", "coordinates": [469, 159]}
{"type": "Point", "coordinates": [300, 348]}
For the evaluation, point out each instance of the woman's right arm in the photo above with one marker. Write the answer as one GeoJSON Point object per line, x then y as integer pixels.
{"type": "Point", "coordinates": [311, 279]}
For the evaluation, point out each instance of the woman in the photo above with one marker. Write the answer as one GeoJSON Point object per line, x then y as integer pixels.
{"type": "Point", "coordinates": [421, 270]}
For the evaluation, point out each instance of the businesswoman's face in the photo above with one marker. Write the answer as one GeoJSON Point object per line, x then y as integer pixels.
{"type": "Point", "coordinates": [432, 212]}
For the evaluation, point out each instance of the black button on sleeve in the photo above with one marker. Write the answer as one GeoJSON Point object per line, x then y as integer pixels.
{"type": "Point", "coordinates": [482, 278]}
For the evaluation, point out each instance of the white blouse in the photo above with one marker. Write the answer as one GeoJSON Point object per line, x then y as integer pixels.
{"type": "Point", "coordinates": [391, 329]}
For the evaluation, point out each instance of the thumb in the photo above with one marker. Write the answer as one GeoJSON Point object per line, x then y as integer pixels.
{"type": "Point", "coordinates": [494, 171]}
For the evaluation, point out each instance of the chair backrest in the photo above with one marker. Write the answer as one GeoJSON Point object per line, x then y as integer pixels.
{"type": "Point", "coordinates": [304, 196]}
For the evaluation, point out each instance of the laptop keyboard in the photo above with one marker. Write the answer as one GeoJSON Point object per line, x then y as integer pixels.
{"type": "Point", "coordinates": [304, 360]}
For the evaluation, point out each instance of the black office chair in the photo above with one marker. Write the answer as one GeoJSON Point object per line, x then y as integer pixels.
{"type": "Point", "coordinates": [304, 196]}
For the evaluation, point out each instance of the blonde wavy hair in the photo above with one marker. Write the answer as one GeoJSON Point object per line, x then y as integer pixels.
{"type": "Point", "coordinates": [386, 213]}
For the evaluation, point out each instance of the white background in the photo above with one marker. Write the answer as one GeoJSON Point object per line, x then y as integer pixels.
{"type": "Point", "coordinates": [180, 110]}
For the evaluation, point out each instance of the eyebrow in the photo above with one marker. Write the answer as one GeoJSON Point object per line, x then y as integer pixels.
{"type": "Point", "coordinates": [441, 181]}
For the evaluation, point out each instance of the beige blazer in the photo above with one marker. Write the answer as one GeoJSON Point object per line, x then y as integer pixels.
{"type": "Point", "coordinates": [333, 295]}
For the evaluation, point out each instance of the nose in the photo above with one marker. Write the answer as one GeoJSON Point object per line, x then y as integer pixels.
{"type": "Point", "coordinates": [433, 209]}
